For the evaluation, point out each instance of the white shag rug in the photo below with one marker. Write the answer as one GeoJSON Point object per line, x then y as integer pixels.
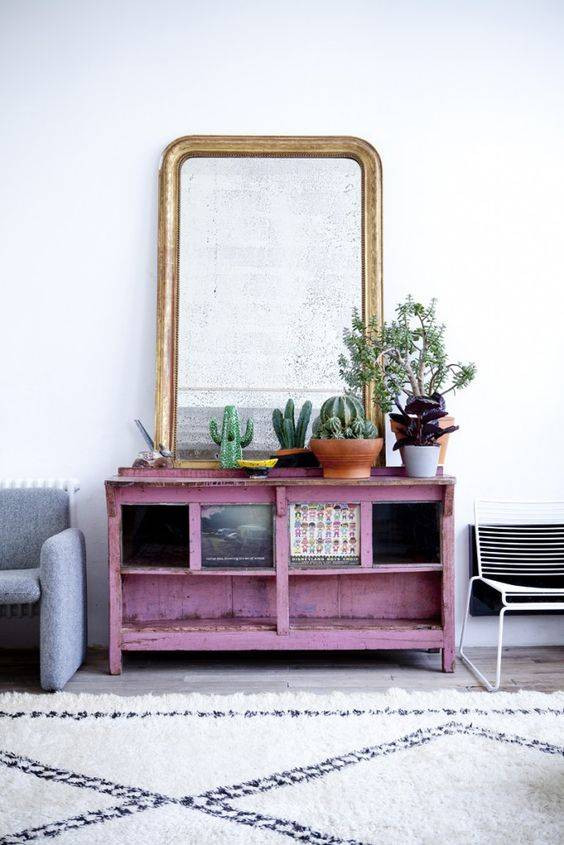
{"type": "Point", "coordinates": [399, 767]}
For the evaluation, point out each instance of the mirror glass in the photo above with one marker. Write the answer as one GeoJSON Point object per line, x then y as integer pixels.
{"type": "Point", "coordinates": [270, 268]}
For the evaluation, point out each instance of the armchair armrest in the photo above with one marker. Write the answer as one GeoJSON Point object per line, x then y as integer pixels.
{"type": "Point", "coordinates": [62, 573]}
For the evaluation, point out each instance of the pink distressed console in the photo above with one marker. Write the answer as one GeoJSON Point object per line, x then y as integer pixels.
{"type": "Point", "coordinates": [212, 560]}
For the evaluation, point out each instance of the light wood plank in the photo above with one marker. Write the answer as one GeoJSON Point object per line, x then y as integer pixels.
{"type": "Point", "coordinates": [540, 668]}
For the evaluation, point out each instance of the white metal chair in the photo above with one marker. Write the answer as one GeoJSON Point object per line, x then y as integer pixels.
{"type": "Point", "coordinates": [520, 549]}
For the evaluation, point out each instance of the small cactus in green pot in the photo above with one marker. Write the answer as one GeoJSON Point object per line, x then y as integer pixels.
{"type": "Point", "coordinates": [230, 440]}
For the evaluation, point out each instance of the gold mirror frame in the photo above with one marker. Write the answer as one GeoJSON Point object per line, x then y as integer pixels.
{"type": "Point", "coordinates": [215, 146]}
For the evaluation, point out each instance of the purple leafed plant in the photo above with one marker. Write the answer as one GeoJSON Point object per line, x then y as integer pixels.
{"type": "Point", "coordinates": [419, 419]}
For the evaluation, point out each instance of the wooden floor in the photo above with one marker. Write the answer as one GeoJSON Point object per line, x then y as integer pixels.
{"type": "Point", "coordinates": [539, 669]}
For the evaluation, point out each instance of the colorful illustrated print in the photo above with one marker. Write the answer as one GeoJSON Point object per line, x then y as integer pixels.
{"type": "Point", "coordinates": [325, 532]}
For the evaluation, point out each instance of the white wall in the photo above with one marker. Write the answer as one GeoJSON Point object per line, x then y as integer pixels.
{"type": "Point", "coordinates": [462, 99]}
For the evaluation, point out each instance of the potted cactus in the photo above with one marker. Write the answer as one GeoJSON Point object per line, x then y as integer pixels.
{"type": "Point", "coordinates": [345, 443]}
{"type": "Point", "coordinates": [291, 435]}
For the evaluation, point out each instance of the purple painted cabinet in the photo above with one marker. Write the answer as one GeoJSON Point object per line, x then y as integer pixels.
{"type": "Point", "coordinates": [211, 560]}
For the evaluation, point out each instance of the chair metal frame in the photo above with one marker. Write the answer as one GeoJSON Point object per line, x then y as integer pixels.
{"type": "Point", "coordinates": [516, 538]}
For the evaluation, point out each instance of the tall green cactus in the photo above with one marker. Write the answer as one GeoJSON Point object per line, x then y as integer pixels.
{"type": "Point", "coordinates": [230, 441]}
{"type": "Point", "coordinates": [291, 435]}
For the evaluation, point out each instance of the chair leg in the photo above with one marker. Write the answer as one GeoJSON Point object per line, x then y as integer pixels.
{"type": "Point", "coordinates": [466, 660]}
{"type": "Point", "coordinates": [499, 647]}
{"type": "Point", "coordinates": [466, 614]}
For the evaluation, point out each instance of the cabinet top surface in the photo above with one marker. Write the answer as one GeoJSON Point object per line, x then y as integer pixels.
{"type": "Point", "coordinates": [208, 479]}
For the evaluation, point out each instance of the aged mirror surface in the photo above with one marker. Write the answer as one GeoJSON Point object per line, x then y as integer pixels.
{"type": "Point", "coordinates": [269, 271]}
{"type": "Point", "coordinates": [268, 254]}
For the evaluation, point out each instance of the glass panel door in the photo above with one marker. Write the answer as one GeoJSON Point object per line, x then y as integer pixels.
{"type": "Point", "coordinates": [237, 536]}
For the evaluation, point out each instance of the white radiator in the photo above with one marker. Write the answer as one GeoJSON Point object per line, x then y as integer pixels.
{"type": "Point", "coordinates": [71, 486]}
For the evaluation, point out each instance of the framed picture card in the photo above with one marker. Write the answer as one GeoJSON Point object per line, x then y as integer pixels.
{"type": "Point", "coordinates": [326, 532]}
{"type": "Point", "coordinates": [237, 536]}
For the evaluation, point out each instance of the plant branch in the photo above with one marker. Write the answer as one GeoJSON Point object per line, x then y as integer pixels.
{"type": "Point", "coordinates": [452, 387]}
{"type": "Point", "coordinates": [422, 353]}
{"type": "Point", "coordinates": [405, 356]}
{"type": "Point", "coordinates": [411, 374]}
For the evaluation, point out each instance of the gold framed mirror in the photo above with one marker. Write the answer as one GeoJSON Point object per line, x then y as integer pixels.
{"type": "Point", "coordinates": [265, 246]}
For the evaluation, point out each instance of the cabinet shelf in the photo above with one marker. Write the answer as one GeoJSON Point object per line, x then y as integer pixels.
{"type": "Point", "coordinates": [257, 634]}
{"type": "Point", "coordinates": [378, 568]}
{"type": "Point", "coordinates": [151, 569]}
{"type": "Point", "coordinates": [128, 569]}
{"type": "Point", "coordinates": [407, 567]}
{"type": "Point", "coordinates": [186, 626]}
{"type": "Point", "coordinates": [365, 624]}
{"type": "Point", "coordinates": [269, 624]}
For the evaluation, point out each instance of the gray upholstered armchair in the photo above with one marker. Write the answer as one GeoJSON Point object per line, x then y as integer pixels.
{"type": "Point", "coordinates": [43, 560]}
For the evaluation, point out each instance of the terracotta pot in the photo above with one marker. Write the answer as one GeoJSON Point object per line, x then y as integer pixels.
{"type": "Point", "coordinates": [346, 458]}
{"type": "Point", "coordinates": [445, 422]}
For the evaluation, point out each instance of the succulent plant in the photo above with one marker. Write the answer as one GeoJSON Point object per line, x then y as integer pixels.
{"type": "Point", "coordinates": [347, 408]}
{"type": "Point", "coordinates": [366, 431]}
{"type": "Point", "coordinates": [230, 440]}
{"type": "Point", "coordinates": [406, 356]}
{"type": "Point", "coordinates": [342, 418]}
{"type": "Point", "coordinates": [419, 421]}
{"type": "Point", "coordinates": [291, 435]}
{"type": "Point", "coordinates": [370, 430]}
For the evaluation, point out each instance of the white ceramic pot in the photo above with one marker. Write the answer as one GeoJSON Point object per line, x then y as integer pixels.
{"type": "Point", "coordinates": [445, 422]}
{"type": "Point", "coordinates": [421, 461]}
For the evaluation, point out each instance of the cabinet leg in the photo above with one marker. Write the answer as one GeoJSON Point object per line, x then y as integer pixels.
{"type": "Point", "coordinates": [447, 657]}
{"type": "Point", "coordinates": [115, 660]}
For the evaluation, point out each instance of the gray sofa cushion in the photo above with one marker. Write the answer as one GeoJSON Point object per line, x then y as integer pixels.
{"type": "Point", "coordinates": [27, 518]}
{"type": "Point", "coordinates": [19, 586]}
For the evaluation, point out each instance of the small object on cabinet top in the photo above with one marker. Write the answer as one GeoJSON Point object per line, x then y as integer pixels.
{"type": "Point", "coordinates": [145, 434]}
{"type": "Point", "coordinates": [152, 459]}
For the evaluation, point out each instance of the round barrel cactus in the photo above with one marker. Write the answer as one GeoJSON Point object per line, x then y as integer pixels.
{"type": "Point", "coordinates": [342, 418]}
{"type": "Point", "coordinates": [346, 408]}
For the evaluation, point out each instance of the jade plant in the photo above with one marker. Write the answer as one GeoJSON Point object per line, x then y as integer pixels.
{"type": "Point", "coordinates": [406, 356]}
{"type": "Point", "coordinates": [291, 435]}
{"type": "Point", "coordinates": [342, 418]}
{"type": "Point", "coordinates": [230, 440]}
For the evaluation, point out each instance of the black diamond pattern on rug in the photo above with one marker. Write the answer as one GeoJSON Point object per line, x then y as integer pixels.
{"type": "Point", "coordinates": [217, 802]}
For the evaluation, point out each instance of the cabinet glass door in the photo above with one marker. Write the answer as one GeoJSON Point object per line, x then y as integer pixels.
{"type": "Point", "coordinates": [155, 535]}
{"type": "Point", "coordinates": [237, 536]}
{"type": "Point", "coordinates": [406, 532]}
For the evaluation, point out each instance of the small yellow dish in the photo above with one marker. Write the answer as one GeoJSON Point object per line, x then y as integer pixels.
{"type": "Point", "coordinates": [258, 469]}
